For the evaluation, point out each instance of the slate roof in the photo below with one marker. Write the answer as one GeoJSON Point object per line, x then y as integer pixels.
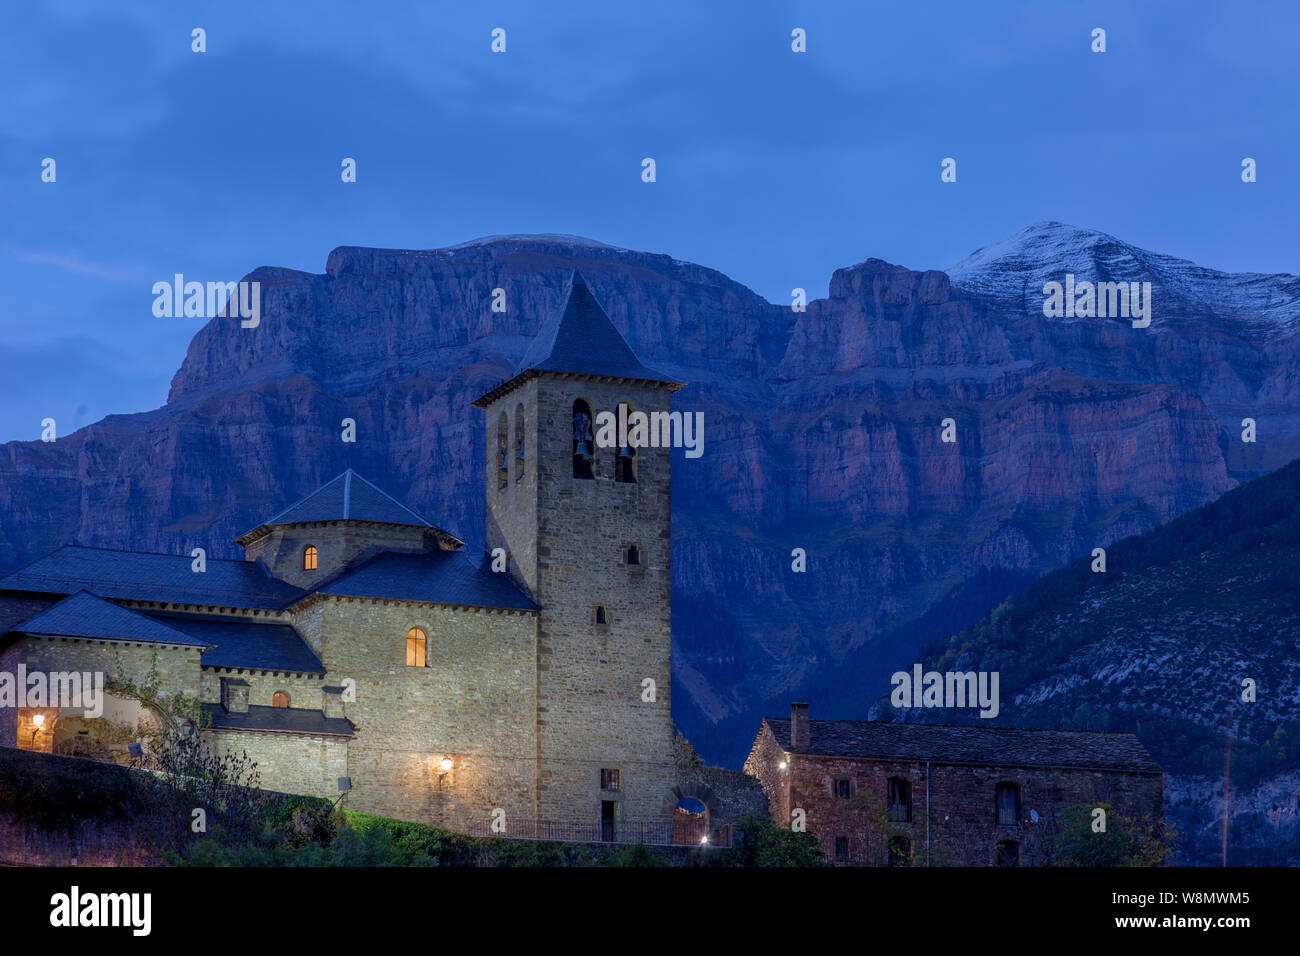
{"type": "Point", "coordinates": [284, 720]}
{"type": "Point", "coordinates": [349, 497]}
{"type": "Point", "coordinates": [85, 615]}
{"type": "Point", "coordinates": [438, 577]}
{"type": "Point", "coordinates": [256, 645]}
{"type": "Point", "coordinates": [1000, 746]}
{"type": "Point", "coordinates": [581, 339]}
{"type": "Point", "coordinates": [141, 576]}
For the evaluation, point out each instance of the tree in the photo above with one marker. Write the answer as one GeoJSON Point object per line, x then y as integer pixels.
{"type": "Point", "coordinates": [766, 844]}
{"type": "Point", "coordinates": [1126, 841]}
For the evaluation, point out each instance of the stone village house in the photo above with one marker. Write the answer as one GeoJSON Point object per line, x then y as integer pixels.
{"type": "Point", "coordinates": [878, 792]}
{"type": "Point", "coordinates": [358, 654]}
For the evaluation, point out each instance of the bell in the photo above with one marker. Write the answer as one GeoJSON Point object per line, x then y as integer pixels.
{"type": "Point", "coordinates": [582, 451]}
{"type": "Point", "coordinates": [624, 451]}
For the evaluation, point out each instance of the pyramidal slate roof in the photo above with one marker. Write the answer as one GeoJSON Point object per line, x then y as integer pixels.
{"type": "Point", "coordinates": [141, 576]}
{"type": "Point", "coordinates": [86, 615]}
{"type": "Point", "coordinates": [580, 339]}
{"type": "Point", "coordinates": [349, 497]}
{"type": "Point", "coordinates": [997, 746]}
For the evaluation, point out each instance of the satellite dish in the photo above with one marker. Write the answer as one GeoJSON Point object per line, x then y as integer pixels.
{"type": "Point", "coordinates": [1033, 815]}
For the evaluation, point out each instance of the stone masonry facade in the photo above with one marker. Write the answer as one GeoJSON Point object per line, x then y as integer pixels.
{"type": "Point", "coordinates": [952, 813]}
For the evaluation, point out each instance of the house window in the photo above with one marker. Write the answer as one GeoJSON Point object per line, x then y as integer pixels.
{"type": "Point", "coordinates": [601, 616]}
{"type": "Point", "coordinates": [279, 699]}
{"type": "Point", "coordinates": [1008, 803]}
{"type": "Point", "coordinates": [309, 558]}
{"type": "Point", "coordinates": [1007, 853]}
{"type": "Point", "coordinates": [584, 445]}
{"type": "Point", "coordinates": [843, 789]}
{"type": "Point", "coordinates": [900, 800]}
{"type": "Point", "coordinates": [841, 848]}
{"type": "Point", "coordinates": [415, 647]}
{"type": "Point", "coordinates": [609, 780]}
{"type": "Point", "coordinates": [900, 851]}
{"type": "Point", "coordinates": [632, 556]}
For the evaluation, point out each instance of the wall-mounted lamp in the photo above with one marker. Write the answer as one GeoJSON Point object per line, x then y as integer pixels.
{"type": "Point", "coordinates": [38, 720]}
{"type": "Point", "coordinates": [781, 765]}
{"type": "Point", "coordinates": [445, 766]}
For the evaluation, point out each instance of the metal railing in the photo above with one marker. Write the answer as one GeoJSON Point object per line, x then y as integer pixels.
{"type": "Point", "coordinates": [649, 832]}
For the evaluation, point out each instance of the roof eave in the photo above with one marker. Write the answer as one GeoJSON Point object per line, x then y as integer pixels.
{"type": "Point", "coordinates": [508, 386]}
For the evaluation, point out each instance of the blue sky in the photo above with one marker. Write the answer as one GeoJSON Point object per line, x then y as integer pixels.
{"type": "Point", "coordinates": [774, 167]}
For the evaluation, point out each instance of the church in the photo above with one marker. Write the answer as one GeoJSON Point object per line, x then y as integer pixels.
{"type": "Point", "coordinates": [357, 653]}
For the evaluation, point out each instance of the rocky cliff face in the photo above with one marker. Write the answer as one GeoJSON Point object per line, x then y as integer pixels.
{"type": "Point", "coordinates": [822, 430]}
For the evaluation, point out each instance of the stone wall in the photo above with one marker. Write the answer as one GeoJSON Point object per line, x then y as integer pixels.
{"type": "Point", "coordinates": [304, 690]}
{"type": "Point", "coordinates": [474, 703]}
{"type": "Point", "coordinates": [963, 824]}
{"type": "Point", "coordinates": [336, 543]}
{"type": "Point", "coordinates": [288, 763]}
{"type": "Point", "coordinates": [591, 715]}
{"type": "Point", "coordinates": [178, 673]}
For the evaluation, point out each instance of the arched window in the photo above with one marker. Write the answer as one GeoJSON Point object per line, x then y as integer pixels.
{"type": "Point", "coordinates": [309, 558]}
{"type": "Point", "coordinates": [584, 444]}
{"type": "Point", "coordinates": [519, 443]}
{"type": "Point", "coordinates": [415, 647]}
{"type": "Point", "coordinates": [601, 616]}
{"type": "Point", "coordinates": [625, 462]}
{"type": "Point", "coordinates": [503, 466]}
{"type": "Point", "coordinates": [632, 556]}
{"type": "Point", "coordinates": [279, 699]}
{"type": "Point", "coordinates": [1008, 802]}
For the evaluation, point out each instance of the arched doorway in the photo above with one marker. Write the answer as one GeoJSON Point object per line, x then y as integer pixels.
{"type": "Point", "coordinates": [106, 737]}
{"type": "Point", "coordinates": [690, 821]}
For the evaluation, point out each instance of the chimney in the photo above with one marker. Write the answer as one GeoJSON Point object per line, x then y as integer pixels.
{"type": "Point", "coordinates": [799, 732]}
{"type": "Point", "coordinates": [234, 695]}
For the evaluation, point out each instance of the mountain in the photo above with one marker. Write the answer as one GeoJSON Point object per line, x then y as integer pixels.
{"type": "Point", "coordinates": [822, 432]}
{"type": "Point", "coordinates": [1163, 643]}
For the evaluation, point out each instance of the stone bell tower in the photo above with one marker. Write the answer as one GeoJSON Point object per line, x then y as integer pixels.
{"type": "Point", "coordinates": [586, 523]}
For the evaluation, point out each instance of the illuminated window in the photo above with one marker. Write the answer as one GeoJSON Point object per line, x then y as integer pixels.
{"type": "Point", "coordinates": [309, 558]}
{"type": "Point", "coordinates": [280, 699]}
{"type": "Point", "coordinates": [415, 647]}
